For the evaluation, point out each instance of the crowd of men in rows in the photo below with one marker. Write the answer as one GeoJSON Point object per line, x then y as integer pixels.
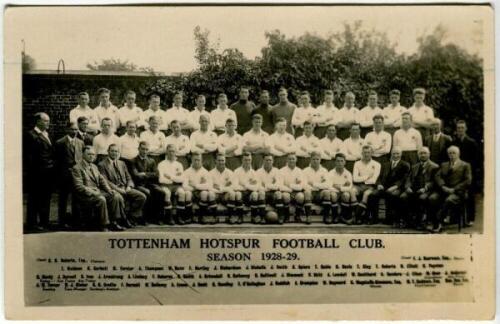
{"type": "Point", "coordinates": [133, 166]}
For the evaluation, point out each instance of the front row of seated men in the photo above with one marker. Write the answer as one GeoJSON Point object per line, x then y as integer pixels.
{"type": "Point", "coordinates": [140, 191]}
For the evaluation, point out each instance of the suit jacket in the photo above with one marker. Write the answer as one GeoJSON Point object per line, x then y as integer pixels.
{"type": "Point", "coordinates": [443, 143]}
{"type": "Point", "coordinates": [87, 178]}
{"type": "Point", "coordinates": [459, 177]}
{"type": "Point", "coordinates": [118, 178]}
{"type": "Point", "coordinates": [39, 152]}
{"type": "Point", "coordinates": [87, 139]}
{"type": "Point", "coordinates": [394, 176]}
{"type": "Point", "coordinates": [421, 177]}
{"type": "Point", "coordinates": [148, 166]}
{"type": "Point", "coordinates": [68, 155]}
{"type": "Point", "coordinates": [468, 150]}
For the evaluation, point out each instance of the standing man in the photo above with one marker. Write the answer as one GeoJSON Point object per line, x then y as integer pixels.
{"type": "Point", "coordinates": [194, 115]}
{"type": "Point", "coordinates": [367, 113]}
{"type": "Point", "coordinates": [93, 191]}
{"type": "Point", "coordinates": [221, 114]}
{"type": "Point", "coordinates": [243, 109]}
{"type": "Point", "coordinates": [353, 146]}
{"type": "Point", "coordinates": [204, 141]}
{"type": "Point", "coordinates": [129, 112]}
{"type": "Point", "coordinates": [327, 115]}
{"type": "Point", "coordinates": [437, 142]}
{"type": "Point", "coordinates": [306, 144]}
{"type": "Point", "coordinates": [265, 110]}
{"type": "Point", "coordinates": [271, 182]}
{"type": "Point", "coordinates": [392, 113]}
{"type": "Point", "coordinates": [365, 176]}
{"type": "Point", "coordinates": [281, 144]}
{"type": "Point", "coordinates": [422, 115]}
{"type": "Point", "coordinates": [230, 144]}
{"type": "Point", "coordinates": [408, 139]}
{"type": "Point", "coordinates": [83, 134]}
{"type": "Point", "coordinates": [304, 113]}
{"type": "Point", "coordinates": [68, 152]}
{"type": "Point", "coordinates": [379, 140]}
{"type": "Point", "coordinates": [106, 109]}
{"type": "Point", "coordinates": [293, 189]}
{"type": "Point", "coordinates": [283, 109]}
{"type": "Point", "coordinates": [83, 110]}
{"type": "Point", "coordinates": [331, 145]}
{"type": "Point", "coordinates": [179, 113]}
{"type": "Point", "coordinates": [319, 187]}
{"type": "Point", "coordinates": [224, 184]}
{"type": "Point", "coordinates": [102, 141]}
{"type": "Point", "coordinates": [343, 190]}
{"type": "Point", "coordinates": [349, 115]}
{"type": "Point", "coordinates": [156, 140]}
{"type": "Point", "coordinates": [129, 144]}
{"type": "Point", "coordinates": [154, 109]}
{"type": "Point", "coordinates": [251, 189]}
{"type": "Point", "coordinates": [255, 142]}
{"type": "Point", "coordinates": [181, 143]}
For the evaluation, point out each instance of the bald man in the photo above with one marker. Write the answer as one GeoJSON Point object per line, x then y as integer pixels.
{"type": "Point", "coordinates": [437, 142]}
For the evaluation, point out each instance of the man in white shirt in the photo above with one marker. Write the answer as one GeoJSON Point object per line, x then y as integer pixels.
{"type": "Point", "coordinates": [156, 139]}
{"type": "Point", "coordinates": [408, 139]}
{"type": "Point", "coordinates": [204, 141]}
{"type": "Point", "coordinates": [327, 114]}
{"type": "Point", "coordinates": [181, 142]}
{"type": "Point", "coordinates": [170, 179]}
{"type": "Point", "coordinates": [230, 144]}
{"type": "Point", "coordinates": [281, 143]}
{"type": "Point", "coordinates": [330, 146]}
{"type": "Point", "coordinates": [102, 141]}
{"type": "Point", "coordinates": [365, 176]}
{"type": "Point", "coordinates": [293, 186]}
{"type": "Point", "coordinates": [343, 190]}
{"type": "Point", "coordinates": [106, 109]}
{"type": "Point", "coordinates": [221, 114]}
{"type": "Point", "coordinates": [129, 112]}
{"type": "Point", "coordinates": [379, 140]}
{"type": "Point", "coordinates": [270, 178]}
{"type": "Point", "coordinates": [422, 115]}
{"type": "Point", "coordinates": [349, 115]}
{"type": "Point", "coordinates": [84, 110]}
{"type": "Point", "coordinates": [306, 144]}
{"type": "Point", "coordinates": [179, 113]}
{"type": "Point", "coordinates": [352, 146]}
{"type": "Point", "coordinates": [392, 113]}
{"type": "Point", "coordinates": [366, 114]}
{"type": "Point", "coordinates": [154, 109]}
{"type": "Point", "coordinates": [194, 115]}
{"type": "Point", "coordinates": [255, 142]}
{"type": "Point", "coordinates": [304, 112]}
{"type": "Point", "coordinates": [319, 187]}
{"type": "Point", "coordinates": [224, 184]}
{"type": "Point", "coordinates": [198, 182]}
{"type": "Point", "coordinates": [129, 144]}
{"type": "Point", "coordinates": [252, 192]}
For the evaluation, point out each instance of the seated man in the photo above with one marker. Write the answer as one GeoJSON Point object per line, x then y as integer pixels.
{"type": "Point", "coordinates": [343, 190]}
{"type": "Point", "coordinates": [222, 178]}
{"type": "Point", "coordinates": [331, 146]}
{"type": "Point", "coordinates": [93, 190]}
{"type": "Point", "coordinates": [390, 185]}
{"type": "Point", "coordinates": [293, 188]}
{"type": "Point", "coordinates": [271, 182]}
{"type": "Point", "coordinates": [251, 190]}
{"type": "Point", "coordinates": [319, 187]}
{"type": "Point", "coordinates": [419, 186]}
{"type": "Point", "coordinates": [453, 179]}
{"type": "Point", "coordinates": [306, 144]}
{"type": "Point", "coordinates": [365, 175]}
{"type": "Point", "coordinates": [281, 144]}
{"type": "Point", "coordinates": [198, 182]}
{"type": "Point", "coordinates": [230, 144]}
{"type": "Point", "coordinates": [155, 138]}
{"type": "Point", "coordinates": [116, 173]}
{"type": "Point", "coordinates": [170, 179]}
{"type": "Point", "coordinates": [255, 142]}
{"type": "Point", "coordinates": [181, 142]}
{"type": "Point", "coordinates": [204, 141]}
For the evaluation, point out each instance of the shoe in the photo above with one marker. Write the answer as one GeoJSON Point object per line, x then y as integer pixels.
{"type": "Point", "coordinates": [437, 229]}
{"type": "Point", "coordinates": [307, 220]}
{"type": "Point", "coordinates": [469, 224]}
{"type": "Point", "coordinates": [115, 227]}
{"type": "Point", "coordinates": [215, 220]}
{"type": "Point", "coordinates": [126, 223]}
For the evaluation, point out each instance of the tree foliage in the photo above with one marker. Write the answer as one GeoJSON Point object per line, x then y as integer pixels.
{"type": "Point", "coordinates": [113, 64]}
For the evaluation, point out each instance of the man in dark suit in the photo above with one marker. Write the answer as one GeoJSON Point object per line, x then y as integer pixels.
{"type": "Point", "coordinates": [418, 188]}
{"type": "Point", "coordinates": [437, 142]}
{"type": "Point", "coordinates": [92, 190]}
{"type": "Point", "coordinates": [115, 171]}
{"type": "Point", "coordinates": [68, 151]}
{"type": "Point", "coordinates": [82, 134]}
{"type": "Point", "coordinates": [390, 185]}
{"type": "Point", "coordinates": [243, 109]}
{"type": "Point", "coordinates": [469, 152]}
{"type": "Point", "coordinates": [146, 177]}
{"type": "Point", "coordinates": [453, 179]}
{"type": "Point", "coordinates": [39, 158]}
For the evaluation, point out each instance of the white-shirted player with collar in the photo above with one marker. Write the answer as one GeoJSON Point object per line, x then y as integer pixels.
{"type": "Point", "coordinates": [84, 110]}
{"type": "Point", "coordinates": [198, 181]}
{"type": "Point", "coordinates": [230, 144]}
{"type": "Point", "coordinates": [392, 113]}
{"type": "Point", "coordinates": [326, 114]}
{"type": "Point", "coordinates": [366, 113]}
{"type": "Point", "coordinates": [181, 142]}
{"type": "Point", "coordinates": [104, 139]}
{"type": "Point", "coordinates": [379, 140]}
{"type": "Point", "coordinates": [421, 114]}
{"type": "Point", "coordinates": [154, 109]}
{"type": "Point", "coordinates": [343, 190]}
{"type": "Point", "coordinates": [330, 145]}
{"type": "Point", "coordinates": [194, 115]}
{"type": "Point", "coordinates": [204, 141]}
{"type": "Point", "coordinates": [270, 179]}
{"type": "Point", "coordinates": [319, 187]}
{"type": "Point", "coordinates": [129, 143]}
{"type": "Point", "coordinates": [293, 186]}
{"type": "Point", "coordinates": [179, 113]}
{"type": "Point", "coordinates": [306, 144]}
{"type": "Point", "coordinates": [365, 175]}
{"type": "Point", "coordinates": [251, 189]}
{"type": "Point", "coordinates": [156, 139]}
{"type": "Point", "coordinates": [349, 115]}
{"type": "Point", "coordinates": [224, 187]}
{"type": "Point", "coordinates": [304, 112]}
{"type": "Point", "coordinates": [408, 139]}
{"type": "Point", "coordinates": [255, 141]}
{"type": "Point", "coordinates": [221, 114]}
{"type": "Point", "coordinates": [281, 143]}
{"type": "Point", "coordinates": [130, 111]}
{"type": "Point", "coordinates": [106, 109]}
{"type": "Point", "coordinates": [352, 146]}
